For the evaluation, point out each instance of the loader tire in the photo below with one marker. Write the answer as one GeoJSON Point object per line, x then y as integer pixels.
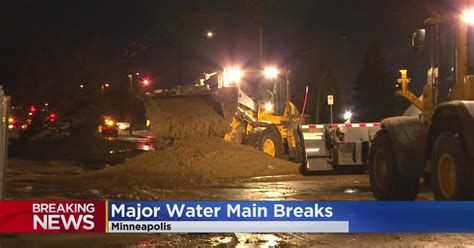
{"type": "Point", "coordinates": [450, 175]}
{"type": "Point", "coordinates": [386, 182]}
{"type": "Point", "coordinates": [270, 143]}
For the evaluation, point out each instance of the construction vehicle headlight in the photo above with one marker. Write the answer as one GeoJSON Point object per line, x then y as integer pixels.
{"type": "Point", "coordinates": [271, 72]}
{"type": "Point", "coordinates": [468, 16]}
{"type": "Point", "coordinates": [268, 107]}
{"type": "Point", "coordinates": [232, 75]}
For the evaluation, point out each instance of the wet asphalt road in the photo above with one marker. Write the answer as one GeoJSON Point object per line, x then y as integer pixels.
{"type": "Point", "coordinates": [23, 183]}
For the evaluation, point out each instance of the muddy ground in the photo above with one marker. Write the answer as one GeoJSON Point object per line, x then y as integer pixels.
{"type": "Point", "coordinates": [37, 180]}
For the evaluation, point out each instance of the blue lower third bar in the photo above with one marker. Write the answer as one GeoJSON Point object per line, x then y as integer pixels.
{"type": "Point", "coordinates": [228, 226]}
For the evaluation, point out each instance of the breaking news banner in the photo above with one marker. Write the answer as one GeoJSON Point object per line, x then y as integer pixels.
{"type": "Point", "coordinates": [235, 216]}
{"type": "Point", "coordinates": [52, 216]}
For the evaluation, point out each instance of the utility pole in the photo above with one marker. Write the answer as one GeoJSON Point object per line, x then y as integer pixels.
{"type": "Point", "coordinates": [258, 9]}
{"type": "Point", "coordinates": [4, 113]}
{"type": "Point", "coordinates": [130, 76]}
{"type": "Point", "coordinates": [180, 49]}
{"type": "Point", "coordinates": [260, 40]}
{"type": "Point", "coordinates": [102, 99]}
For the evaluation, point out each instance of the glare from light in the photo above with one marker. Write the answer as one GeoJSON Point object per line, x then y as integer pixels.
{"type": "Point", "coordinates": [232, 75]}
{"type": "Point", "coordinates": [146, 147]}
{"type": "Point", "coordinates": [347, 115]}
{"type": "Point", "coordinates": [268, 107]}
{"type": "Point", "coordinates": [210, 34]}
{"type": "Point", "coordinates": [52, 117]}
{"type": "Point", "coordinates": [106, 85]}
{"type": "Point", "coordinates": [146, 82]}
{"type": "Point", "coordinates": [271, 72]}
{"type": "Point", "coordinates": [468, 16]}
{"type": "Point", "coordinates": [46, 104]}
{"type": "Point", "coordinates": [123, 125]}
{"type": "Point", "coordinates": [109, 122]}
{"type": "Point", "coordinates": [81, 86]}
{"type": "Point", "coordinates": [10, 120]}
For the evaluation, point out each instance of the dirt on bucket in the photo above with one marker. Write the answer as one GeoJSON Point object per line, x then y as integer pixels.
{"type": "Point", "coordinates": [186, 116]}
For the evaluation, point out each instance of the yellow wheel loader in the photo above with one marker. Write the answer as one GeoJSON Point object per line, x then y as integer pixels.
{"type": "Point", "coordinates": [254, 106]}
{"type": "Point", "coordinates": [438, 143]}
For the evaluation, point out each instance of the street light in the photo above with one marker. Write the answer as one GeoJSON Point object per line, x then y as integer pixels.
{"type": "Point", "coordinates": [271, 72]}
{"type": "Point", "coordinates": [347, 116]}
{"type": "Point", "coordinates": [104, 85]}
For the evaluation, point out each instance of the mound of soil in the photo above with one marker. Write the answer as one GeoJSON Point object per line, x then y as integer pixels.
{"type": "Point", "coordinates": [196, 154]}
{"type": "Point", "coordinates": [193, 162]}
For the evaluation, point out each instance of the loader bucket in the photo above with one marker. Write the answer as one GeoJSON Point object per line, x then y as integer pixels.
{"type": "Point", "coordinates": [184, 115]}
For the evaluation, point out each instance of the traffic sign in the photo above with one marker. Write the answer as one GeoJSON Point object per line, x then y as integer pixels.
{"type": "Point", "coordinates": [330, 99]}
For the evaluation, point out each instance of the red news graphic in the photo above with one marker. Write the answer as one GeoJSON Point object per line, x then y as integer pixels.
{"type": "Point", "coordinates": [52, 216]}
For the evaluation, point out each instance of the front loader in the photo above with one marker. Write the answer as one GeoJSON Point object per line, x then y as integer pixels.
{"type": "Point", "coordinates": [254, 106]}
{"type": "Point", "coordinates": [437, 144]}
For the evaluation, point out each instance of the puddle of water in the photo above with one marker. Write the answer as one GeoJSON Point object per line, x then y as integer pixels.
{"type": "Point", "coordinates": [256, 240]}
{"type": "Point", "coordinates": [269, 177]}
{"type": "Point", "coordinates": [351, 191]}
{"type": "Point", "coordinates": [274, 194]}
{"type": "Point", "coordinates": [222, 241]}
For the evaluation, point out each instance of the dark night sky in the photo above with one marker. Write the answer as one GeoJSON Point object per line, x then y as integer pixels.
{"type": "Point", "coordinates": [335, 32]}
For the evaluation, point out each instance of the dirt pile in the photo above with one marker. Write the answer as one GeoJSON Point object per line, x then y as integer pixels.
{"type": "Point", "coordinates": [194, 161]}
{"type": "Point", "coordinates": [197, 155]}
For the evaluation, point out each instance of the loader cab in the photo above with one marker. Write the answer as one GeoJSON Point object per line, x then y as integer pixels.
{"type": "Point", "coordinates": [272, 94]}
{"type": "Point", "coordinates": [269, 87]}
{"type": "Point", "coordinates": [437, 45]}
{"type": "Point", "coordinates": [447, 45]}
{"type": "Point", "coordinates": [281, 104]}
{"type": "Point", "coordinates": [281, 94]}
